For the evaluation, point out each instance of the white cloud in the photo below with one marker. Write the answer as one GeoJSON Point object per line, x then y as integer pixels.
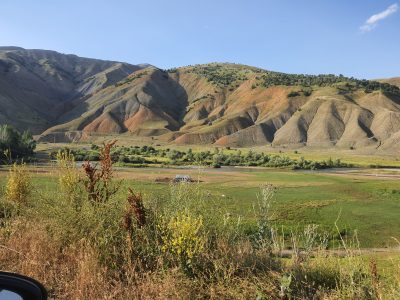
{"type": "Point", "coordinates": [372, 22]}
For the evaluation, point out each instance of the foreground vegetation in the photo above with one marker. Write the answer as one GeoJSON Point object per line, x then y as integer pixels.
{"type": "Point", "coordinates": [149, 155]}
{"type": "Point", "coordinates": [90, 236]}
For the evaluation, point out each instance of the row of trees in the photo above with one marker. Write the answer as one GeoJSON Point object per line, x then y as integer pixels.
{"type": "Point", "coordinates": [217, 158]}
{"type": "Point", "coordinates": [15, 145]}
{"type": "Point", "coordinates": [273, 78]}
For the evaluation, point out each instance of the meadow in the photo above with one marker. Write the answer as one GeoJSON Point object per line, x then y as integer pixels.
{"type": "Point", "coordinates": [232, 233]}
{"type": "Point", "coordinates": [356, 202]}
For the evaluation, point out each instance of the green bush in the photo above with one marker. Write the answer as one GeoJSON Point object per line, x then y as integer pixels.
{"type": "Point", "coordinates": [15, 145]}
{"type": "Point", "coordinates": [293, 94]}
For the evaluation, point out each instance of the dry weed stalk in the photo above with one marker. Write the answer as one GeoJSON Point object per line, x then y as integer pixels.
{"type": "Point", "coordinates": [135, 210]}
{"type": "Point", "coordinates": [375, 278]}
{"type": "Point", "coordinates": [98, 182]}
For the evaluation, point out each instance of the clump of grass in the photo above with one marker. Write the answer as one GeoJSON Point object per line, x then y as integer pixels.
{"type": "Point", "coordinates": [19, 186]}
{"type": "Point", "coordinates": [69, 177]}
{"type": "Point", "coordinates": [264, 215]}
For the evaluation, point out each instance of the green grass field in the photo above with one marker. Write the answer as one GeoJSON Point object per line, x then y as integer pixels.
{"type": "Point", "coordinates": [368, 206]}
{"type": "Point", "coordinates": [359, 203]}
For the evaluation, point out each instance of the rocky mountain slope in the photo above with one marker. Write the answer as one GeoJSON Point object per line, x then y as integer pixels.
{"type": "Point", "coordinates": [37, 86]}
{"type": "Point", "coordinates": [66, 97]}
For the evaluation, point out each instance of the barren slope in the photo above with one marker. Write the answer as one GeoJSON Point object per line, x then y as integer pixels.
{"type": "Point", "coordinates": [394, 81]}
{"type": "Point", "coordinates": [37, 85]}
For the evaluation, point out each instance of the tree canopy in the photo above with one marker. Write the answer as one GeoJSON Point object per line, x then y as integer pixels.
{"type": "Point", "coordinates": [14, 144]}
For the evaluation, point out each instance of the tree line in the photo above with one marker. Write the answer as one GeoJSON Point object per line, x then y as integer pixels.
{"type": "Point", "coordinates": [274, 78]}
{"type": "Point", "coordinates": [146, 155]}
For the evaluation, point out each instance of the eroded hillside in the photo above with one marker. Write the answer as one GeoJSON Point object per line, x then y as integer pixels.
{"type": "Point", "coordinates": [37, 86]}
{"type": "Point", "coordinates": [66, 98]}
{"type": "Point", "coordinates": [236, 105]}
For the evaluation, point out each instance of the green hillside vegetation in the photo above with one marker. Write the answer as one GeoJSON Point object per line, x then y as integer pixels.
{"type": "Point", "coordinates": [222, 74]}
{"type": "Point", "coordinates": [350, 83]}
{"type": "Point", "coordinates": [227, 74]}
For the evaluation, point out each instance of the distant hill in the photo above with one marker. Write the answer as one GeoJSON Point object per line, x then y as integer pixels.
{"type": "Point", "coordinates": [395, 81]}
{"type": "Point", "coordinates": [66, 97]}
{"type": "Point", "coordinates": [36, 86]}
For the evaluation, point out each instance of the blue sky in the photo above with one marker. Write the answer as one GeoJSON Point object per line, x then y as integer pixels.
{"type": "Point", "coordinates": [358, 38]}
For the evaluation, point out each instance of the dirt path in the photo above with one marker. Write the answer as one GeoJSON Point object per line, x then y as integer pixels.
{"type": "Point", "coordinates": [381, 173]}
{"type": "Point", "coordinates": [339, 252]}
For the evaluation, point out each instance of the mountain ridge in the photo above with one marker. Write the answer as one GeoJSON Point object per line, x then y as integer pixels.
{"type": "Point", "coordinates": [218, 103]}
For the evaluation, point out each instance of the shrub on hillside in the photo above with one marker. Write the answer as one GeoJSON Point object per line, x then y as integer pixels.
{"type": "Point", "coordinates": [293, 94]}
